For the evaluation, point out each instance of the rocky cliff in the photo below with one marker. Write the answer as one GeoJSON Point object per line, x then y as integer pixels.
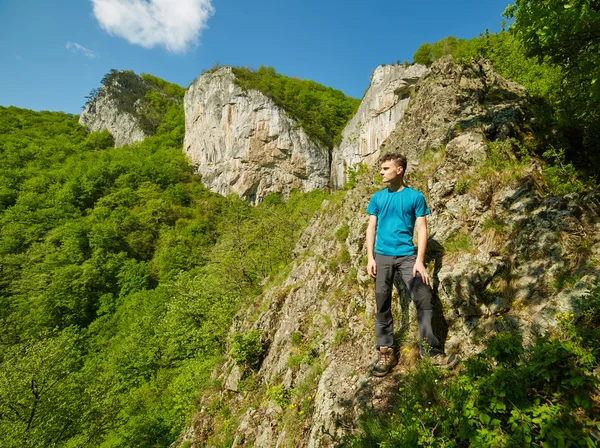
{"type": "Point", "coordinates": [129, 106]}
{"type": "Point", "coordinates": [382, 107]}
{"type": "Point", "coordinates": [242, 143]}
{"type": "Point", "coordinates": [499, 247]}
{"type": "Point", "coordinates": [104, 114]}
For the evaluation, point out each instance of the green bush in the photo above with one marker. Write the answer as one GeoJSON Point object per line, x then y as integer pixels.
{"type": "Point", "coordinates": [353, 173]}
{"type": "Point", "coordinates": [506, 396]}
{"type": "Point", "coordinates": [247, 349]}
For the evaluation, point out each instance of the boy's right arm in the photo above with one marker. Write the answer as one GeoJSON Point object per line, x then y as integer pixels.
{"type": "Point", "coordinates": [371, 229]}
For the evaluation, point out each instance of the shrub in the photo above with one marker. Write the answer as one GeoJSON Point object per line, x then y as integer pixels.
{"type": "Point", "coordinates": [353, 173]}
{"type": "Point", "coordinates": [247, 349]}
{"type": "Point", "coordinates": [505, 396]}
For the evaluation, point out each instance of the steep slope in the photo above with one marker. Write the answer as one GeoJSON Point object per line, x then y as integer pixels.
{"type": "Point", "coordinates": [243, 143]}
{"type": "Point", "coordinates": [382, 107]}
{"type": "Point", "coordinates": [500, 250]}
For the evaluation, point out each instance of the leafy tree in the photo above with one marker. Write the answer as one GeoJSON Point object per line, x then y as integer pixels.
{"type": "Point", "coordinates": [41, 391]}
{"type": "Point", "coordinates": [567, 32]}
{"type": "Point", "coordinates": [423, 55]}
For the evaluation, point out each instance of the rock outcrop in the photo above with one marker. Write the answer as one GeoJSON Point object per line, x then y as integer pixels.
{"type": "Point", "coordinates": [105, 110]}
{"type": "Point", "coordinates": [499, 251]}
{"type": "Point", "coordinates": [451, 98]}
{"type": "Point", "coordinates": [382, 107]}
{"type": "Point", "coordinates": [103, 114]}
{"type": "Point", "coordinates": [242, 143]}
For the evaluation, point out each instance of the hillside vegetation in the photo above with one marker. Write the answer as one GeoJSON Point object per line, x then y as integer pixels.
{"type": "Point", "coordinates": [119, 276]}
{"type": "Point", "coordinates": [553, 50]}
{"type": "Point", "coordinates": [321, 111]}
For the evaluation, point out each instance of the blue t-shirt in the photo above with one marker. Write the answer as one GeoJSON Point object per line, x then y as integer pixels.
{"type": "Point", "coordinates": [396, 213]}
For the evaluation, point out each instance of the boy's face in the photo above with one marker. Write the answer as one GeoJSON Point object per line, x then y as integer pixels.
{"type": "Point", "coordinates": [390, 171]}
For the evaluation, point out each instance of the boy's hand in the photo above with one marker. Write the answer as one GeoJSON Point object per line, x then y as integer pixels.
{"type": "Point", "coordinates": [372, 268]}
{"type": "Point", "coordinates": [420, 268]}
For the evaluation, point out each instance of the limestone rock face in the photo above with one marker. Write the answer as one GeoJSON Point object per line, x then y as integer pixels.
{"type": "Point", "coordinates": [499, 246]}
{"type": "Point", "coordinates": [242, 143]}
{"type": "Point", "coordinates": [382, 107]}
{"type": "Point", "coordinates": [103, 114]}
{"type": "Point", "coordinates": [451, 98]}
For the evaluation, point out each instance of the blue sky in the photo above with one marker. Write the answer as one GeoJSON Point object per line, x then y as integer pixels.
{"type": "Point", "coordinates": [54, 52]}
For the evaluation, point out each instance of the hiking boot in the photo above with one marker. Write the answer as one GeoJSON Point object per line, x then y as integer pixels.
{"type": "Point", "coordinates": [443, 361]}
{"type": "Point", "coordinates": [386, 361]}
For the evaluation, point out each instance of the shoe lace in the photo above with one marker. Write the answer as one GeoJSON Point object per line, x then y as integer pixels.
{"type": "Point", "coordinates": [384, 357]}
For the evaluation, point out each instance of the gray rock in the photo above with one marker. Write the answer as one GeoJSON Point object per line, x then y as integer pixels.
{"type": "Point", "coordinates": [382, 107]}
{"type": "Point", "coordinates": [103, 114]}
{"type": "Point", "coordinates": [242, 143]}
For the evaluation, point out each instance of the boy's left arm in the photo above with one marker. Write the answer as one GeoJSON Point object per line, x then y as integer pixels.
{"type": "Point", "coordinates": [421, 225]}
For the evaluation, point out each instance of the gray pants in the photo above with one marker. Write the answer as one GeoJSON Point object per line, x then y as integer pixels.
{"type": "Point", "coordinates": [421, 295]}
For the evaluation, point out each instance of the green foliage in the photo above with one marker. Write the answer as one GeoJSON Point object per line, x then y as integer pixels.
{"type": "Point", "coordinates": [462, 185]}
{"type": "Point", "coordinates": [460, 49]}
{"type": "Point", "coordinates": [296, 338]}
{"type": "Point", "coordinates": [99, 140]}
{"type": "Point", "coordinates": [304, 350]}
{"type": "Point", "coordinates": [342, 233]}
{"type": "Point", "coordinates": [353, 173]}
{"type": "Point", "coordinates": [495, 224]}
{"type": "Point", "coordinates": [40, 391]}
{"type": "Point", "coordinates": [247, 349]}
{"type": "Point", "coordinates": [561, 176]}
{"type": "Point", "coordinates": [279, 395]}
{"type": "Point", "coordinates": [458, 242]}
{"type": "Point", "coordinates": [120, 274]}
{"type": "Point", "coordinates": [340, 335]}
{"type": "Point", "coordinates": [568, 34]}
{"type": "Point", "coordinates": [321, 111]}
{"type": "Point", "coordinates": [166, 87]}
{"type": "Point", "coordinates": [506, 396]}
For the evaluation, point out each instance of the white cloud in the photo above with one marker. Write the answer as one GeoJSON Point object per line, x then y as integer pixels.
{"type": "Point", "coordinates": [80, 49]}
{"type": "Point", "coordinates": [173, 24]}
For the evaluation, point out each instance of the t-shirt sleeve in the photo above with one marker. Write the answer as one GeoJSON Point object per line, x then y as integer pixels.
{"type": "Point", "coordinates": [372, 208]}
{"type": "Point", "coordinates": [421, 208]}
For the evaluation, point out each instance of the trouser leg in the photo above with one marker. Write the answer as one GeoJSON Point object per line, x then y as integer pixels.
{"type": "Point", "coordinates": [384, 322]}
{"type": "Point", "coordinates": [423, 299]}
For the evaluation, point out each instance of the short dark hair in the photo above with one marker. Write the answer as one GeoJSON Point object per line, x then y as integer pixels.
{"type": "Point", "coordinates": [396, 157]}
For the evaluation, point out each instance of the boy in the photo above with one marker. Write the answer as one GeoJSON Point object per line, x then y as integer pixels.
{"type": "Point", "coordinates": [394, 213]}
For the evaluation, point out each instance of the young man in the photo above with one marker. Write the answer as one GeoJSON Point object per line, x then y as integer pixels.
{"type": "Point", "coordinates": [394, 213]}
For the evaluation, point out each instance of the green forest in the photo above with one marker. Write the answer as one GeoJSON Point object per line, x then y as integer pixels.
{"type": "Point", "coordinates": [119, 276]}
